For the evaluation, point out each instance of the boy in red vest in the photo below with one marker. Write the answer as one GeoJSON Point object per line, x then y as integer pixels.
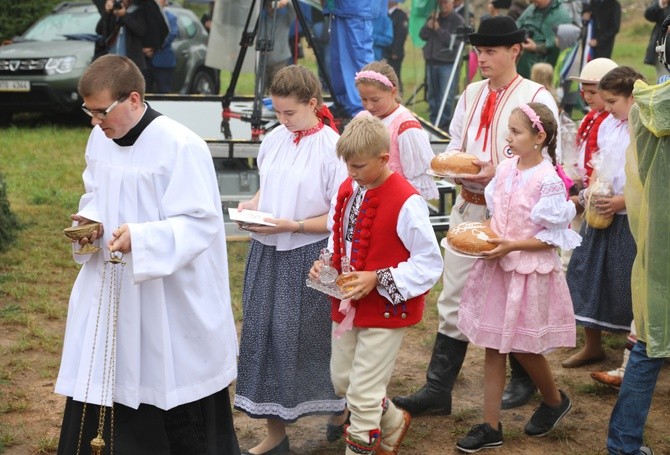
{"type": "Point", "coordinates": [380, 223]}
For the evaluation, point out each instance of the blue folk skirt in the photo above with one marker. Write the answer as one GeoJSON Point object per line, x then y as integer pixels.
{"type": "Point", "coordinates": [599, 277]}
{"type": "Point", "coordinates": [284, 364]}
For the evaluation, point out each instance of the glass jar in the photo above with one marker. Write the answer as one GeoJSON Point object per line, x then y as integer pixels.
{"type": "Point", "coordinates": [598, 189]}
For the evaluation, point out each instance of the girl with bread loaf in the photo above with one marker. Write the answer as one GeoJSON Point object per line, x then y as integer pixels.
{"type": "Point", "coordinates": [411, 152]}
{"type": "Point", "coordinates": [284, 362]}
{"type": "Point", "coordinates": [516, 299]}
{"type": "Point", "coordinates": [599, 270]}
{"type": "Point", "coordinates": [478, 129]}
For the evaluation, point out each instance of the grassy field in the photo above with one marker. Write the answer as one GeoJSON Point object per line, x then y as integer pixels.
{"type": "Point", "coordinates": [42, 161]}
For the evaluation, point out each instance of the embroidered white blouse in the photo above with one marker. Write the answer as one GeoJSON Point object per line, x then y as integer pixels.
{"type": "Point", "coordinates": [552, 211]}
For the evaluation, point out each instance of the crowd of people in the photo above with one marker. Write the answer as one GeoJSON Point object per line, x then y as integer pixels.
{"type": "Point", "coordinates": [356, 201]}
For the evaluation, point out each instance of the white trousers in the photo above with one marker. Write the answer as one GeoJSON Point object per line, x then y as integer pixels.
{"type": "Point", "coordinates": [456, 271]}
{"type": "Point", "coordinates": [361, 364]}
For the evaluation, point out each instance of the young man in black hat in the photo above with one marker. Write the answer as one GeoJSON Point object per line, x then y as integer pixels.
{"type": "Point", "coordinates": [478, 127]}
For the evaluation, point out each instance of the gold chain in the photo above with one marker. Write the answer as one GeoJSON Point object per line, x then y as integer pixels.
{"type": "Point", "coordinates": [108, 371]}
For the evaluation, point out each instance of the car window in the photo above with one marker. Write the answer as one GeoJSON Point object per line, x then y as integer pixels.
{"type": "Point", "coordinates": [187, 27]}
{"type": "Point", "coordinates": [55, 26]}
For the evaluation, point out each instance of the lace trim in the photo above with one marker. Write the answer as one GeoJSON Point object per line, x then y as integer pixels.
{"type": "Point", "coordinates": [385, 278]}
{"type": "Point", "coordinates": [289, 414]}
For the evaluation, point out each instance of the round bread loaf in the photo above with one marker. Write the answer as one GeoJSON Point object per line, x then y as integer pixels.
{"type": "Point", "coordinates": [471, 238]}
{"type": "Point", "coordinates": [454, 164]}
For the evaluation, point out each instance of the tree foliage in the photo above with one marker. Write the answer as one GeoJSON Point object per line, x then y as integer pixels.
{"type": "Point", "coordinates": [18, 15]}
{"type": "Point", "coordinates": [9, 224]}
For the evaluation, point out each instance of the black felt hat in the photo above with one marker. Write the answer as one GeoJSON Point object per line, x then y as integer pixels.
{"type": "Point", "coordinates": [504, 4]}
{"type": "Point", "coordinates": [497, 31]}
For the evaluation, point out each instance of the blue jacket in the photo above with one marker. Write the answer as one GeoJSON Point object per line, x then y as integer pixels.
{"type": "Point", "coordinates": [165, 58]}
{"type": "Point", "coordinates": [360, 9]}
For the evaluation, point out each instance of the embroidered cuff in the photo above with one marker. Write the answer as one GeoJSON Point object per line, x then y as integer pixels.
{"type": "Point", "coordinates": [385, 278]}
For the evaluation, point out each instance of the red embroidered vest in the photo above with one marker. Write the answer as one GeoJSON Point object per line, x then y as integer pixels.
{"type": "Point", "coordinates": [376, 245]}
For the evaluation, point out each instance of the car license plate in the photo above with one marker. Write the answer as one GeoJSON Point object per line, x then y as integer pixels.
{"type": "Point", "coordinates": [14, 86]}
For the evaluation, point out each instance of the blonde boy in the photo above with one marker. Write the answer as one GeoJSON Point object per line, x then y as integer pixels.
{"type": "Point", "coordinates": [380, 222]}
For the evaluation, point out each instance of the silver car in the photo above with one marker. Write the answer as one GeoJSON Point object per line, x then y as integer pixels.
{"type": "Point", "coordinates": [39, 72]}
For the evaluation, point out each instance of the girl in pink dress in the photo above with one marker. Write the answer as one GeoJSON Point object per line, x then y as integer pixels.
{"type": "Point", "coordinates": [516, 299]}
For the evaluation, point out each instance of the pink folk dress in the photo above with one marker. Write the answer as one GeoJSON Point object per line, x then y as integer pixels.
{"type": "Point", "coordinates": [521, 302]}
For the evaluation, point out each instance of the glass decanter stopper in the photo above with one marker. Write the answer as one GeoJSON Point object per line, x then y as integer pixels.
{"type": "Point", "coordinates": [328, 273]}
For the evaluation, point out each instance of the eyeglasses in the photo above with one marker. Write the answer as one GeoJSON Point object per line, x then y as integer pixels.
{"type": "Point", "coordinates": [101, 114]}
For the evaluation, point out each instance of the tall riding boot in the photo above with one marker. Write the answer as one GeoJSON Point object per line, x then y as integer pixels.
{"type": "Point", "coordinates": [445, 364]}
{"type": "Point", "coordinates": [520, 388]}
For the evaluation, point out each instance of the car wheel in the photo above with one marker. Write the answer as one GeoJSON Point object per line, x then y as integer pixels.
{"type": "Point", "coordinates": [203, 83]}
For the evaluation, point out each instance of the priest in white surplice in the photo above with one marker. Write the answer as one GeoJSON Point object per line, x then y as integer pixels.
{"type": "Point", "coordinates": [151, 183]}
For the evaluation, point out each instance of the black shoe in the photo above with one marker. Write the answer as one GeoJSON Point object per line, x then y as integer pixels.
{"type": "Point", "coordinates": [427, 400]}
{"type": "Point", "coordinates": [480, 437]}
{"type": "Point", "coordinates": [546, 417]}
{"type": "Point", "coordinates": [281, 449]}
{"type": "Point", "coordinates": [435, 396]}
{"type": "Point", "coordinates": [335, 432]}
{"type": "Point", "coordinates": [518, 392]}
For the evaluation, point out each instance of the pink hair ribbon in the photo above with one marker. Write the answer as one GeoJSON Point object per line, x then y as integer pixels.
{"type": "Point", "coordinates": [532, 115]}
{"type": "Point", "coordinates": [375, 76]}
{"type": "Point", "coordinates": [567, 181]}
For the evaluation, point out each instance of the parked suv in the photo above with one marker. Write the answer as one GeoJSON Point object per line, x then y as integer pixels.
{"type": "Point", "coordinates": [39, 72]}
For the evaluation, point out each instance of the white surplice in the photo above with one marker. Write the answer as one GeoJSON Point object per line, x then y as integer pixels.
{"type": "Point", "coordinates": [176, 338]}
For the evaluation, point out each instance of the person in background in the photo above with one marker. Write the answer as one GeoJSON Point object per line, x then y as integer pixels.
{"type": "Point", "coordinates": [606, 15]}
{"type": "Point", "coordinates": [442, 41]}
{"type": "Point", "coordinates": [540, 45]}
{"type": "Point", "coordinates": [284, 362]}
{"type": "Point", "coordinates": [151, 184]}
{"type": "Point", "coordinates": [396, 264]}
{"type": "Point", "coordinates": [543, 74]}
{"type": "Point", "coordinates": [133, 28]}
{"type": "Point", "coordinates": [206, 21]}
{"type": "Point", "coordinates": [516, 8]}
{"type": "Point", "coordinates": [382, 34]}
{"type": "Point", "coordinates": [656, 12]}
{"type": "Point", "coordinates": [351, 47]}
{"type": "Point", "coordinates": [164, 60]}
{"type": "Point", "coordinates": [394, 54]}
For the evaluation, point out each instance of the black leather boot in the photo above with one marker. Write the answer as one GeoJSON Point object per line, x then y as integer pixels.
{"type": "Point", "coordinates": [520, 388]}
{"type": "Point", "coordinates": [445, 364]}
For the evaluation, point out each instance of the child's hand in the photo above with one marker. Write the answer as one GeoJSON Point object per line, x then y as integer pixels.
{"type": "Point", "coordinates": [362, 285]}
{"type": "Point", "coordinates": [504, 247]}
{"type": "Point", "coordinates": [315, 270]}
{"type": "Point", "coordinates": [608, 206]}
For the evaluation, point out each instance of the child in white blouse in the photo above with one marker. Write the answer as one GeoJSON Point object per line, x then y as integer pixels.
{"type": "Point", "coordinates": [516, 299]}
{"type": "Point", "coordinates": [600, 269]}
{"type": "Point", "coordinates": [410, 152]}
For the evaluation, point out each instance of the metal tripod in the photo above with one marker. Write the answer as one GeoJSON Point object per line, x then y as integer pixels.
{"type": "Point", "coordinates": [264, 46]}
